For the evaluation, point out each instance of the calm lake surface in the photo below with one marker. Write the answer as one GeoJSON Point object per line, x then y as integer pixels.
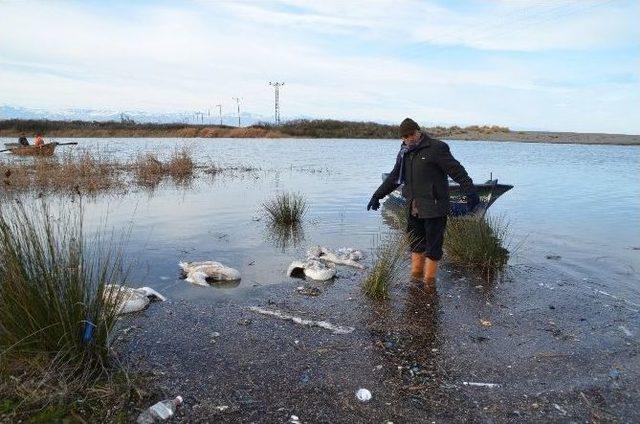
{"type": "Point", "coordinates": [579, 202]}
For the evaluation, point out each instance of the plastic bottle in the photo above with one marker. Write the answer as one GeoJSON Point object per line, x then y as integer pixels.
{"type": "Point", "coordinates": [160, 411]}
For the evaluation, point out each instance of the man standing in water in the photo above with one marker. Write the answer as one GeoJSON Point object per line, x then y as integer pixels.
{"type": "Point", "coordinates": [422, 166]}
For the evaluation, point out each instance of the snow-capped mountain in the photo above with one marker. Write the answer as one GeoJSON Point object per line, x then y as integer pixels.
{"type": "Point", "coordinates": [16, 112]}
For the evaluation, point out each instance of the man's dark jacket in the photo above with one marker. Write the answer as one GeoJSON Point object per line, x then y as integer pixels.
{"type": "Point", "coordinates": [425, 170]}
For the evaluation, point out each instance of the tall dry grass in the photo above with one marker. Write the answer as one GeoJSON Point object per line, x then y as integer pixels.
{"type": "Point", "coordinates": [180, 165]}
{"type": "Point", "coordinates": [87, 172]}
{"type": "Point", "coordinates": [147, 169]}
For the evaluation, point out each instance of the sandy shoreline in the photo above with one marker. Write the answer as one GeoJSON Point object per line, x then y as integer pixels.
{"type": "Point", "coordinates": [553, 137]}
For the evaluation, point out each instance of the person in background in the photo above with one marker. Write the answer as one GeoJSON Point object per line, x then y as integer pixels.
{"type": "Point", "coordinates": [39, 140]}
{"type": "Point", "coordinates": [422, 167]}
{"type": "Point", "coordinates": [23, 140]}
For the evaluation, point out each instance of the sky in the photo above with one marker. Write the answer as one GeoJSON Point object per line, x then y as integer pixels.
{"type": "Point", "coordinates": [560, 65]}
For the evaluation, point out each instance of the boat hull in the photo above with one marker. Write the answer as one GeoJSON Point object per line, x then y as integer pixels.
{"type": "Point", "coordinates": [46, 150]}
{"type": "Point", "coordinates": [488, 192]}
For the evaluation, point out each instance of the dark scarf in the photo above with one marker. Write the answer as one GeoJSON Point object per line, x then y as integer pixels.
{"type": "Point", "coordinates": [404, 149]}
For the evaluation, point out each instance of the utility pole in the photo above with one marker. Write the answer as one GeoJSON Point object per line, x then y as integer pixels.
{"type": "Point", "coordinates": [237, 99]}
{"type": "Point", "coordinates": [276, 86]}
{"type": "Point", "coordinates": [220, 110]}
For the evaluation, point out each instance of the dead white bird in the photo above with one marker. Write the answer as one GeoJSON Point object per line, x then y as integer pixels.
{"type": "Point", "coordinates": [343, 256]}
{"type": "Point", "coordinates": [127, 299]}
{"type": "Point", "coordinates": [199, 272]}
{"type": "Point", "coordinates": [313, 269]}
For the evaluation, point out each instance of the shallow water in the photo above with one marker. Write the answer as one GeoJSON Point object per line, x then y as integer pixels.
{"type": "Point", "coordinates": [579, 202]}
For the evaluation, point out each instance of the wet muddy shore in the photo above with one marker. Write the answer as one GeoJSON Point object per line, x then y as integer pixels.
{"type": "Point", "coordinates": [534, 346]}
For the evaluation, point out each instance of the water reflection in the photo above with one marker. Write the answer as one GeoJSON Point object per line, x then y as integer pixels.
{"type": "Point", "coordinates": [284, 236]}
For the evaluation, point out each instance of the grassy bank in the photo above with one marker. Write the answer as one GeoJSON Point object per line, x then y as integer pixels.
{"type": "Point", "coordinates": [321, 128]}
{"type": "Point", "coordinates": [83, 129]}
{"type": "Point", "coordinates": [298, 128]}
{"type": "Point", "coordinates": [55, 326]}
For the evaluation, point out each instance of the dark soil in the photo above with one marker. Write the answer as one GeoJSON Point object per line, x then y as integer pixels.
{"type": "Point", "coordinates": [558, 350]}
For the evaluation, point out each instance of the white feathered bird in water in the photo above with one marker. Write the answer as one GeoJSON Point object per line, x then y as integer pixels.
{"type": "Point", "coordinates": [313, 269]}
{"type": "Point", "coordinates": [199, 272]}
{"type": "Point", "coordinates": [128, 299]}
{"type": "Point", "coordinates": [344, 256]}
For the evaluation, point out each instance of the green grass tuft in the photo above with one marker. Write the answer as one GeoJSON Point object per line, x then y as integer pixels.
{"type": "Point", "coordinates": [390, 261]}
{"type": "Point", "coordinates": [477, 244]}
{"type": "Point", "coordinates": [286, 209]}
{"type": "Point", "coordinates": [51, 285]}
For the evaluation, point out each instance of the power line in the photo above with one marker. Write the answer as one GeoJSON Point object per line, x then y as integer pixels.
{"type": "Point", "coordinates": [237, 99]}
{"type": "Point", "coordinates": [220, 110]}
{"type": "Point", "coordinates": [276, 86]}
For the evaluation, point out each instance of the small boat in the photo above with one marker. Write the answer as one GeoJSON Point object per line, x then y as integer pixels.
{"type": "Point", "coordinates": [31, 150]}
{"type": "Point", "coordinates": [46, 150]}
{"type": "Point", "coordinates": [488, 193]}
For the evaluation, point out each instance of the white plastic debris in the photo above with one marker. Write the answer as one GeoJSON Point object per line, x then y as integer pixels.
{"type": "Point", "coordinates": [625, 330]}
{"type": "Point", "coordinates": [160, 411]}
{"type": "Point", "coordinates": [294, 420]}
{"type": "Point", "coordinates": [336, 329]}
{"type": "Point", "coordinates": [199, 272]}
{"type": "Point", "coordinates": [363, 395]}
{"type": "Point", "coordinates": [604, 293]}
{"type": "Point", "coordinates": [560, 409]}
{"type": "Point", "coordinates": [128, 299]}
{"type": "Point", "coordinates": [312, 268]}
{"type": "Point", "coordinates": [489, 385]}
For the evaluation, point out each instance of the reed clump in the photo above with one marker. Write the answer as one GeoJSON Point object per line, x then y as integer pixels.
{"type": "Point", "coordinates": [85, 171]}
{"type": "Point", "coordinates": [180, 165]}
{"type": "Point", "coordinates": [286, 209]}
{"type": "Point", "coordinates": [147, 169]}
{"type": "Point", "coordinates": [55, 325]}
{"type": "Point", "coordinates": [389, 262]}
{"type": "Point", "coordinates": [477, 244]}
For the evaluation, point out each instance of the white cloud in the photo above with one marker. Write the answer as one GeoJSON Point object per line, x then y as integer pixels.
{"type": "Point", "coordinates": [520, 25]}
{"type": "Point", "coordinates": [167, 58]}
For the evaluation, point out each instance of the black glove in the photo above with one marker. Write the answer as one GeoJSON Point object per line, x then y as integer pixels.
{"type": "Point", "coordinates": [472, 201]}
{"type": "Point", "coordinates": [374, 204]}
